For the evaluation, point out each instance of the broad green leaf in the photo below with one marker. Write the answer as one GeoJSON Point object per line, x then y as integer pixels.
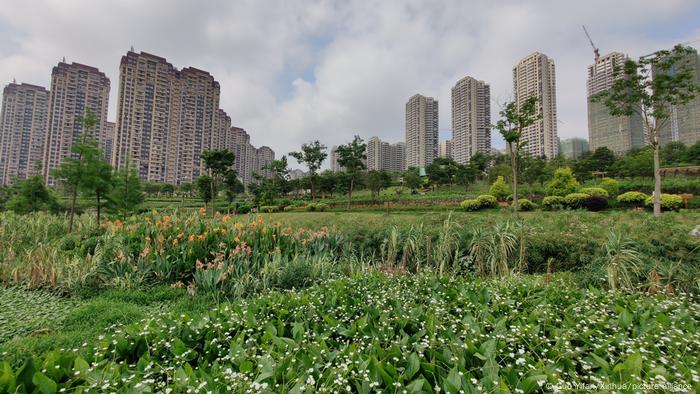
{"type": "Point", "coordinates": [44, 383]}
{"type": "Point", "coordinates": [416, 386]}
{"type": "Point", "coordinates": [7, 378]}
{"type": "Point", "coordinates": [413, 366]}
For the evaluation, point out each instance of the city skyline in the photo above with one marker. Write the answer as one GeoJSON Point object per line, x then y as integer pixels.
{"type": "Point", "coordinates": [289, 79]}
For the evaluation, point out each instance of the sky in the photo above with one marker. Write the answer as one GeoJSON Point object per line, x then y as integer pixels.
{"type": "Point", "coordinates": [297, 71]}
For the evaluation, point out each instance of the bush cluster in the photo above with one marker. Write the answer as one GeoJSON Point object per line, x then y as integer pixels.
{"type": "Point", "coordinates": [316, 207]}
{"type": "Point", "coordinates": [484, 201]}
{"type": "Point", "coordinates": [632, 199]}
{"type": "Point", "coordinates": [553, 202]}
{"type": "Point", "coordinates": [595, 191]}
{"type": "Point", "coordinates": [526, 205]}
{"type": "Point", "coordinates": [669, 202]}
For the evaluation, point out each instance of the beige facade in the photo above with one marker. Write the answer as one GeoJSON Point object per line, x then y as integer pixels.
{"type": "Point", "coordinates": [75, 90]}
{"type": "Point", "coordinates": [471, 119]}
{"type": "Point", "coordinates": [22, 129]}
{"type": "Point", "coordinates": [109, 140]}
{"type": "Point", "coordinates": [147, 116]}
{"type": "Point", "coordinates": [617, 133]}
{"type": "Point", "coordinates": [534, 76]}
{"type": "Point", "coordinates": [383, 156]}
{"type": "Point", "coordinates": [265, 157]}
{"type": "Point", "coordinates": [333, 157]}
{"type": "Point", "coordinates": [684, 123]}
{"type": "Point", "coordinates": [445, 150]}
{"type": "Point", "coordinates": [421, 131]}
{"type": "Point", "coordinates": [165, 118]}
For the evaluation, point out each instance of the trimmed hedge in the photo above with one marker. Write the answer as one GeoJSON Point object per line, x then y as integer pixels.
{"type": "Point", "coordinates": [669, 202]}
{"type": "Point", "coordinates": [487, 201]}
{"type": "Point", "coordinates": [317, 207]}
{"type": "Point", "coordinates": [575, 200]}
{"type": "Point", "coordinates": [471, 204]}
{"type": "Point", "coordinates": [632, 199]}
{"type": "Point", "coordinates": [553, 202]}
{"type": "Point", "coordinates": [595, 191]}
{"type": "Point", "coordinates": [526, 205]}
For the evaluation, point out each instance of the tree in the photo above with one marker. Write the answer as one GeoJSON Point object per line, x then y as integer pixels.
{"type": "Point", "coordinates": [534, 170]}
{"type": "Point", "coordinates": [603, 159]}
{"type": "Point", "coordinates": [31, 195]}
{"type": "Point", "coordinates": [327, 182]}
{"type": "Point", "coordinates": [441, 171]}
{"type": "Point", "coordinates": [674, 153]}
{"type": "Point", "coordinates": [514, 119]}
{"type": "Point", "coordinates": [692, 154]}
{"type": "Point", "coordinates": [126, 193]}
{"type": "Point", "coordinates": [377, 180]}
{"type": "Point", "coordinates": [218, 163]}
{"type": "Point", "coordinates": [99, 180]}
{"type": "Point", "coordinates": [74, 173]}
{"type": "Point", "coordinates": [232, 186]}
{"type": "Point", "coordinates": [651, 87]}
{"type": "Point", "coordinates": [412, 179]}
{"type": "Point", "coordinates": [312, 155]}
{"type": "Point", "coordinates": [203, 185]}
{"type": "Point", "coordinates": [480, 161]}
{"type": "Point", "coordinates": [280, 174]}
{"type": "Point", "coordinates": [466, 174]}
{"type": "Point", "coordinates": [563, 183]}
{"type": "Point", "coordinates": [168, 189]}
{"type": "Point", "coordinates": [351, 157]}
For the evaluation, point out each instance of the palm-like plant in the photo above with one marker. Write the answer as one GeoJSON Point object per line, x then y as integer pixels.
{"type": "Point", "coordinates": [504, 243]}
{"type": "Point", "coordinates": [622, 261]}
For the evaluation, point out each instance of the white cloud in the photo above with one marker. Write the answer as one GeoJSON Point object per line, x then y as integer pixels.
{"type": "Point", "coordinates": [295, 71]}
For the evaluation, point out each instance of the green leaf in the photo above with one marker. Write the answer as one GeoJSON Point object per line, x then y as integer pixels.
{"type": "Point", "coordinates": [81, 366]}
{"type": "Point", "coordinates": [44, 383]}
{"type": "Point", "coordinates": [413, 366]}
{"type": "Point", "coordinates": [625, 319]}
{"type": "Point", "coordinates": [7, 379]}
{"type": "Point", "coordinates": [416, 386]}
{"type": "Point", "coordinates": [298, 331]}
{"type": "Point", "coordinates": [454, 381]}
{"type": "Point", "coordinates": [601, 362]}
{"type": "Point", "coordinates": [634, 363]}
{"type": "Point", "coordinates": [26, 374]}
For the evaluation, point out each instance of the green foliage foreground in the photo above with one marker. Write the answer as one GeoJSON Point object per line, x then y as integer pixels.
{"type": "Point", "coordinates": [395, 334]}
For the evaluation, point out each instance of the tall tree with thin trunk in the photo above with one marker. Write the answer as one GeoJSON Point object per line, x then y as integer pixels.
{"type": "Point", "coordinates": [126, 193]}
{"type": "Point", "coordinates": [312, 155]}
{"type": "Point", "coordinates": [73, 173]}
{"type": "Point", "coordinates": [514, 119]}
{"type": "Point", "coordinates": [651, 87]}
{"type": "Point", "coordinates": [218, 162]}
{"type": "Point", "coordinates": [352, 157]}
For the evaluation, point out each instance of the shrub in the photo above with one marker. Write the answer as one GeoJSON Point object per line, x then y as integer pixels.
{"type": "Point", "coordinates": [563, 183]}
{"type": "Point", "coordinates": [595, 203]}
{"type": "Point", "coordinates": [575, 200]}
{"type": "Point", "coordinates": [316, 207]}
{"type": "Point", "coordinates": [595, 191]}
{"type": "Point", "coordinates": [269, 208]}
{"type": "Point", "coordinates": [244, 208]}
{"type": "Point", "coordinates": [632, 199]}
{"type": "Point", "coordinates": [500, 189]}
{"type": "Point", "coordinates": [487, 201]}
{"type": "Point", "coordinates": [471, 205]}
{"type": "Point", "coordinates": [669, 202]}
{"type": "Point", "coordinates": [288, 208]}
{"type": "Point", "coordinates": [526, 205]}
{"type": "Point", "coordinates": [610, 185]}
{"type": "Point", "coordinates": [553, 202]}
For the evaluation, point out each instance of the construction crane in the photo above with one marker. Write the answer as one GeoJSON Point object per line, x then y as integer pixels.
{"type": "Point", "coordinates": [595, 50]}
